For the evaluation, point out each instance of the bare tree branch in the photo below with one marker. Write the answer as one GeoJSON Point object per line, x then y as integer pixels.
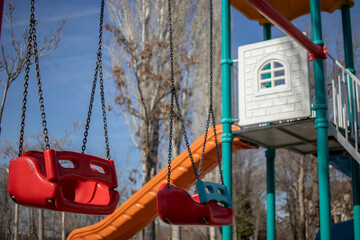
{"type": "Point", "coordinates": [14, 56]}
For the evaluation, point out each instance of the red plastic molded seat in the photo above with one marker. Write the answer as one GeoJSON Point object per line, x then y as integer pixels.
{"type": "Point", "coordinates": [37, 179]}
{"type": "Point", "coordinates": [27, 182]}
{"type": "Point", "coordinates": [176, 206]}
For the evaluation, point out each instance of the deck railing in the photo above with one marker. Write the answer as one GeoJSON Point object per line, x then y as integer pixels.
{"type": "Point", "coordinates": [345, 115]}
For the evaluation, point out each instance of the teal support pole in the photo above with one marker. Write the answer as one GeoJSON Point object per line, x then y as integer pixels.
{"type": "Point", "coordinates": [348, 43]}
{"type": "Point", "coordinates": [321, 125]}
{"type": "Point", "coordinates": [349, 57]}
{"type": "Point", "coordinates": [270, 195]}
{"type": "Point", "coordinates": [356, 198]}
{"type": "Point", "coordinates": [267, 31]}
{"type": "Point", "coordinates": [349, 64]}
{"type": "Point", "coordinates": [226, 137]}
{"type": "Point", "coordinates": [270, 173]}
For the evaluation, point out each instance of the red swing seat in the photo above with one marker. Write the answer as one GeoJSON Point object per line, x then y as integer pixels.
{"type": "Point", "coordinates": [176, 206]}
{"type": "Point", "coordinates": [37, 179]}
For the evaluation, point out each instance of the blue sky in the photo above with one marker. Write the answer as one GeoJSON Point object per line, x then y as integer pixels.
{"type": "Point", "coordinates": [67, 75]}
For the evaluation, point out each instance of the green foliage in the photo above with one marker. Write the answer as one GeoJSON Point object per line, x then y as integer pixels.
{"type": "Point", "coordinates": [244, 216]}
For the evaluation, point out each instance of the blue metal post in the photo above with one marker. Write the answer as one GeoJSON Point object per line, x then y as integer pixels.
{"type": "Point", "coordinates": [226, 137]}
{"type": "Point", "coordinates": [349, 64]}
{"type": "Point", "coordinates": [270, 173]}
{"type": "Point", "coordinates": [321, 125]}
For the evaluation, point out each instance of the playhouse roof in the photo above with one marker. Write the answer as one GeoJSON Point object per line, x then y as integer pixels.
{"type": "Point", "coordinates": [291, 9]}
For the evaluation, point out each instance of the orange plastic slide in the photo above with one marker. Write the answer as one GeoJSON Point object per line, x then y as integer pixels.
{"type": "Point", "coordinates": [140, 209]}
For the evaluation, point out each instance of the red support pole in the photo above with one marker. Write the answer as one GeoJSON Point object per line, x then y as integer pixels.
{"type": "Point", "coordinates": [286, 26]}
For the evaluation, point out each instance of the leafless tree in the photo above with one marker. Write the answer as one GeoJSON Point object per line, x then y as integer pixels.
{"type": "Point", "coordinates": [141, 70]}
{"type": "Point", "coordinates": [28, 217]}
{"type": "Point", "coordinates": [199, 102]}
{"type": "Point", "coordinates": [301, 194]}
{"type": "Point", "coordinates": [6, 207]}
{"type": "Point", "coordinates": [249, 194]}
{"type": "Point", "coordinates": [202, 98]}
{"type": "Point", "coordinates": [13, 55]}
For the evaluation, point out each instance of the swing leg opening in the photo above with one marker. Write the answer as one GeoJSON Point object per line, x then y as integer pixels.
{"type": "Point", "coordinates": [167, 220]}
{"type": "Point", "coordinates": [205, 220]}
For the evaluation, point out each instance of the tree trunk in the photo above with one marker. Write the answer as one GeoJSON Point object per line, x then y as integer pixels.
{"type": "Point", "coordinates": [301, 194]}
{"type": "Point", "coordinates": [176, 143]}
{"type": "Point", "coordinates": [41, 224]}
{"type": "Point", "coordinates": [149, 231]}
{"type": "Point", "coordinates": [256, 230]}
{"type": "Point", "coordinates": [32, 223]}
{"type": "Point", "coordinates": [149, 149]}
{"type": "Point", "coordinates": [62, 225]}
{"type": "Point", "coordinates": [16, 222]}
{"type": "Point", "coordinates": [175, 232]}
{"type": "Point", "coordinates": [314, 218]}
{"type": "Point", "coordinates": [292, 211]}
{"type": "Point", "coordinates": [212, 231]}
{"type": "Point", "coordinates": [3, 104]}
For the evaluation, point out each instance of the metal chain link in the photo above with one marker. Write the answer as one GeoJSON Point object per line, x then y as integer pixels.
{"type": "Point", "coordinates": [98, 71]}
{"type": "Point", "coordinates": [102, 94]}
{"type": "Point", "coordinates": [32, 45]}
{"type": "Point", "coordinates": [26, 84]}
{"type": "Point", "coordinates": [170, 138]}
{"type": "Point", "coordinates": [174, 97]}
{"type": "Point", "coordinates": [211, 109]}
{"type": "Point", "coordinates": [87, 126]}
{"type": "Point", "coordinates": [211, 114]}
{"type": "Point", "coordinates": [211, 102]}
{"type": "Point", "coordinates": [40, 92]}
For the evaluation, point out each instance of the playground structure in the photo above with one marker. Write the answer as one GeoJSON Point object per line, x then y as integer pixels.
{"type": "Point", "coordinates": [336, 134]}
{"type": "Point", "coordinates": [343, 129]}
{"type": "Point", "coordinates": [140, 209]}
{"type": "Point", "coordinates": [333, 138]}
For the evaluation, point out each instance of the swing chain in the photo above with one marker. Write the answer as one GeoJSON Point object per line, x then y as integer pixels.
{"type": "Point", "coordinates": [87, 126]}
{"type": "Point", "coordinates": [40, 92]}
{"type": "Point", "coordinates": [98, 71]}
{"type": "Point", "coordinates": [174, 97]}
{"type": "Point", "coordinates": [211, 115]}
{"type": "Point", "coordinates": [211, 107]}
{"type": "Point", "coordinates": [25, 93]}
{"type": "Point", "coordinates": [102, 94]}
{"type": "Point", "coordinates": [32, 45]}
{"type": "Point", "coordinates": [211, 93]}
{"type": "Point", "coordinates": [170, 138]}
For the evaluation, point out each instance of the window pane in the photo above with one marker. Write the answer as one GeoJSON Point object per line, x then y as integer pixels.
{"type": "Point", "coordinates": [265, 76]}
{"type": "Point", "coordinates": [280, 73]}
{"type": "Point", "coordinates": [267, 67]}
{"type": "Point", "coordinates": [272, 74]}
{"type": "Point", "coordinates": [277, 65]}
{"type": "Point", "coordinates": [266, 85]}
{"type": "Point", "coordinates": [280, 82]}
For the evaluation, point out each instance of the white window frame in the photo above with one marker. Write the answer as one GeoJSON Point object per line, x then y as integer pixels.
{"type": "Point", "coordinates": [286, 77]}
